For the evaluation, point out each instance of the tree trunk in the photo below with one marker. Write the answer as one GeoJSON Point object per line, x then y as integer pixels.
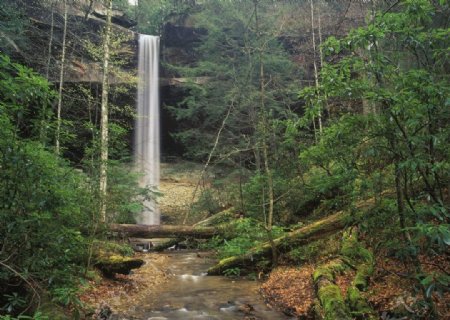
{"type": "Point", "coordinates": [61, 81]}
{"type": "Point", "coordinates": [221, 217]}
{"type": "Point", "coordinates": [50, 41]}
{"type": "Point", "coordinates": [316, 73]}
{"type": "Point", "coordinates": [302, 236]}
{"type": "Point", "coordinates": [265, 153]}
{"type": "Point", "coordinates": [104, 115]}
{"type": "Point", "coordinates": [43, 128]}
{"type": "Point", "coordinates": [164, 231]}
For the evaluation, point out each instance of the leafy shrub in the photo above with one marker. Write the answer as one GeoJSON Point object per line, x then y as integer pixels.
{"type": "Point", "coordinates": [45, 206]}
{"type": "Point", "coordinates": [244, 234]}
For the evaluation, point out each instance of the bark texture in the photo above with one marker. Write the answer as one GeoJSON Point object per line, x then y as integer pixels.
{"type": "Point", "coordinates": [104, 135]}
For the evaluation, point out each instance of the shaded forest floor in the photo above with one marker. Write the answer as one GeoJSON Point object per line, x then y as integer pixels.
{"type": "Point", "coordinates": [290, 289]}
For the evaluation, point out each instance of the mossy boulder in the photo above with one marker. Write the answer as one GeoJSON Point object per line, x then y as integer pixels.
{"type": "Point", "coordinates": [110, 265]}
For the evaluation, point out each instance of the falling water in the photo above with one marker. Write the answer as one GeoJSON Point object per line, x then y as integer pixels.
{"type": "Point", "coordinates": [147, 142]}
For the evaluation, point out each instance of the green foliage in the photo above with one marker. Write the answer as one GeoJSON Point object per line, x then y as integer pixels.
{"type": "Point", "coordinates": [243, 235]}
{"type": "Point", "coordinates": [152, 14]}
{"type": "Point", "coordinates": [14, 302]}
{"type": "Point", "coordinates": [207, 202]}
{"type": "Point", "coordinates": [124, 193]}
{"type": "Point", "coordinates": [393, 75]}
{"type": "Point", "coordinates": [36, 316]}
{"type": "Point", "coordinates": [400, 139]}
{"type": "Point", "coordinates": [314, 251]}
{"type": "Point", "coordinates": [45, 205]}
{"type": "Point", "coordinates": [228, 57]}
{"type": "Point", "coordinates": [232, 272]}
{"type": "Point", "coordinates": [113, 248]}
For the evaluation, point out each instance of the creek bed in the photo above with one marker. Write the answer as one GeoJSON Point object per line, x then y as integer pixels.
{"type": "Point", "coordinates": [190, 294]}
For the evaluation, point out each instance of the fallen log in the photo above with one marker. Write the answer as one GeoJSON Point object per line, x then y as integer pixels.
{"type": "Point", "coordinates": [332, 303]}
{"type": "Point", "coordinates": [221, 217]}
{"type": "Point", "coordinates": [302, 236]}
{"type": "Point", "coordinates": [163, 231]}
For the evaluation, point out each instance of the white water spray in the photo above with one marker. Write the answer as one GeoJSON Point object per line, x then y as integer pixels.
{"type": "Point", "coordinates": [146, 140]}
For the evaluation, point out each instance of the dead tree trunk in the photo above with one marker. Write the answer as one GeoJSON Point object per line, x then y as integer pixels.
{"type": "Point", "coordinates": [302, 236]}
{"type": "Point", "coordinates": [163, 231]}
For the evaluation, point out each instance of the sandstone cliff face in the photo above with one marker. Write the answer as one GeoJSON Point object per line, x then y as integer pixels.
{"type": "Point", "coordinates": [42, 25]}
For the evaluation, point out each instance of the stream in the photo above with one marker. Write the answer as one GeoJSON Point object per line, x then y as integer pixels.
{"type": "Point", "coordinates": [190, 294]}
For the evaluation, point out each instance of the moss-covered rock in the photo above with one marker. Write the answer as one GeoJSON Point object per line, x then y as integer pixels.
{"type": "Point", "coordinates": [110, 265]}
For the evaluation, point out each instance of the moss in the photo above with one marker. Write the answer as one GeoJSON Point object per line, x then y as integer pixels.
{"type": "Point", "coordinates": [363, 273]}
{"type": "Point", "coordinates": [110, 265]}
{"type": "Point", "coordinates": [360, 256]}
{"type": "Point", "coordinates": [354, 250]}
{"type": "Point", "coordinates": [332, 303]}
{"type": "Point", "coordinates": [358, 304]}
{"type": "Point", "coordinates": [329, 270]}
{"type": "Point", "coordinates": [318, 312]}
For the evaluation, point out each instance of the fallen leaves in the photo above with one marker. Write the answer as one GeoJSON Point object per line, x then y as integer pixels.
{"type": "Point", "coordinates": [291, 290]}
{"type": "Point", "coordinates": [117, 293]}
{"type": "Point", "coordinates": [393, 286]}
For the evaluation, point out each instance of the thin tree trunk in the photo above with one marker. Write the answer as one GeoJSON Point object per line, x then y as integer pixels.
{"type": "Point", "coordinates": [43, 128]}
{"type": "Point", "coordinates": [61, 82]}
{"type": "Point", "coordinates": [327, 106]}
{"type": "Point", "coordinates": [104, 115]}
{"type": "Point", "coordinates": [316, 73]}
{"type": "Point", "coordinates": [216, 142]}
{"type": "Point", "coordinates": [265, 152]}
{"type": "Point", "coordinates": [50, 41]}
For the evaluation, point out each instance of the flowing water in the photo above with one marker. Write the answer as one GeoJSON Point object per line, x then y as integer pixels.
{"type": "Point", "coordinates": [190, 294]}
{"type": "Point", "coordinates": [147, 131]}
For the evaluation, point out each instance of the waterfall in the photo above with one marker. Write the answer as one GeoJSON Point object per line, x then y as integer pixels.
{"type": "Point", "coordinates": [146, 140]}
